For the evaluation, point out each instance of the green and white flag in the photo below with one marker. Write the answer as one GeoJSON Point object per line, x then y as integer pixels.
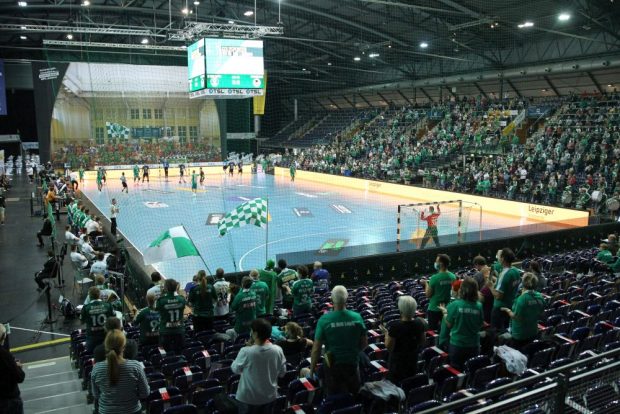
{"type": "Point", "coordinates": [251, 212]}
{"type": "Point", "coordinates": [172, 244]}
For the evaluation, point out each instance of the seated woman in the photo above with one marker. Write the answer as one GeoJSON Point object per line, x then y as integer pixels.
{"type": "Point", "coordinates": [525, 313]}
{"type": "Point", "coordinates": [295, 345]}
{"type": "Point", "coordinates": [403, 340]}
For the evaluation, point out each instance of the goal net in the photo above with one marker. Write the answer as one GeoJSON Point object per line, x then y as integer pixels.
{"type": "Point", "coordinates": [446, 222]}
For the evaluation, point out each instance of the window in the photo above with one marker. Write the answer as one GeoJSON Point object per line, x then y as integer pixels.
{"type": "Point", "coordinates": [146, 114]}
{"type": "Point", "coordinates": [159, 113]}
{"type": "Point", "coordinates": [135, 114]}
{"type": "Point", "coordinates": [182, 131]}
{"type": "Point", "coordinates": [193, 133]}
{"type": "Point", "coordinates": [99, 135]}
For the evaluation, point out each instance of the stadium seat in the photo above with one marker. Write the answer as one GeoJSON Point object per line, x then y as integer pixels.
{"type": "Point", "coordinates": [541, 359]}
{"type": "Point", "coordinates": [354, 409]}
{"type": "Point", "coordinates": [417, 380]}
{"type": "Point", "coordinates": [598, 397]}
{"type": "Point", "coordinates": [421, 394]}
{"type": "Point", "coordinates": [498, 383]}
{"type": "Point", "coordinates": [424, 406]}
{"type": "Point", "coordinates": [201, 397]}
{"type": "Point", "coordinates": [482, 376]}
{"type": "Point", "coordinates": [182, 409]}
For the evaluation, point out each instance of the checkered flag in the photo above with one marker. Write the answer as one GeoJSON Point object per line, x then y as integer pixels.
{"type": "Point", "coordinates": [117, 130]}
{"type": "Point", "coordinates": [251, 212]}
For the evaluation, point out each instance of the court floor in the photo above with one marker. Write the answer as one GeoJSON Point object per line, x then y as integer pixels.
{"type": "Point", "coordinates": [304, 216]}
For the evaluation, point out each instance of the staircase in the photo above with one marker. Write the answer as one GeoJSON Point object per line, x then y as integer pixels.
{"type": "Point", "coordinates": [52, 386]}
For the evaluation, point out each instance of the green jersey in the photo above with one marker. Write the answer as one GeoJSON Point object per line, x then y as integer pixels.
{"type": "Point", "coordinates": [94, 316]}
{"type": "Point", "coordinates": [269, 277]}
{"type": "Point", "coordinates": [244, 306]}
{"type": "Point", "coordinates": [441, 286]}
{"type": "Point", "coordinates": [284, 279]}
{"type": "Point", "coordinates": [194, 180]}
{"type": "Point", "coordinates": [148, 321]}
{"type": "Point", "coordinates": [170, 308]}
{"type": "Point", "coordinates": [81, 172]}
{"type": "Point", "coordinates": [292, 169]}
{"type": "Point", "coordinates": [605, 256]}
{"type": "Point", "coordinates": [99, 177]}
{"type": "Point", "coordinates": [202, 304]}
{"type": "Point", "coordinates": [466, 320]}
{"type": "Point", "coordinates": [508, 284]}
{"type": "Point", "coordinates": [341, 332]}
{"type": "Point", "coordinates": [262, 292]}
{"type": "Point", "coordinates": [302, 295]}
{"type": "Point", "coordinates": [527, 310]}
{"type": "Point", "coordinates": [136, 171]}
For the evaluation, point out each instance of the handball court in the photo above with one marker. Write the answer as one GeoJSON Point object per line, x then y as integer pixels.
{"type": "Point", "coordinates": [308, 221]}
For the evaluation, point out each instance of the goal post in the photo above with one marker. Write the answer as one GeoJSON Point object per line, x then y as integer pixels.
{"type": "Point", "coordinates": [455, 219]}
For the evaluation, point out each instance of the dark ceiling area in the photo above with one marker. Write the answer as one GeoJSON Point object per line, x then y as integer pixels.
{"type": "Point", "coordinates": [325, 44]}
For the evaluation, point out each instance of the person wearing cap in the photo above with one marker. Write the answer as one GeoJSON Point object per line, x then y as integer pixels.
{"type": "Point", "coordinates": [268, 275]}
{"type": "Point", "coordinates": [12, 375]}
{"type": "Point", "coordinates": [320, 276]}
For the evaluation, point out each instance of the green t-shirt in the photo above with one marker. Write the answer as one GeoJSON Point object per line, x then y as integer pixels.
{"type": "Point", "coordinates": [466, 320]}
{"type": "Point", "coordinates": [194, 179]}
{"type": "Point", "coordinates": [244, 307]}
{"type": "Point", "coordinates": [302, 294]}
{"type": "Point", "coordinates": [261, 290]}
{"type": "Point", "coordinates": [269, 277]}
{"type": "Point", "coordinates": [136, 171]}
{"type": "Point", "coordinates": [148, 321]}
{"type": "Point", "coordinates": [441, 286]}
{"type": "Point", "coordinates": [527, 309]}
{"type": "Point", "coordinates": [340, 332]}
{"type": "Point", "coordinates": [202, 305]}
{"type": "Point", "coordinates": [285, 278]}
{"type": "Point", "coordinates": [94, 315]}
{"type": "Point", "coordinates": [292, 169]}
{"type": "Point", "coordinates": [605, 256]}
{"type": "Point", "coordinates": [170, 308]}
{"type": "Point", "coordinates": [508, 283]}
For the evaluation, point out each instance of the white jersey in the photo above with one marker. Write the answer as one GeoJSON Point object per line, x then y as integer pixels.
{"type": "Point", "coordinates": [222, 290]}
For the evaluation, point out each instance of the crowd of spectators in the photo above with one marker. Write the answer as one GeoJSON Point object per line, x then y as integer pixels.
{"type": "Point", "coordinates": [572, 155]}
{"type": "Point", "coordinates": [126, 153]}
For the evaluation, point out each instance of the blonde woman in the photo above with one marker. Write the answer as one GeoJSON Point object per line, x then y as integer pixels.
{"type": "Point", "coordinates": [295, 345]}
{"type": "Point", "coordinates": [118, 384]}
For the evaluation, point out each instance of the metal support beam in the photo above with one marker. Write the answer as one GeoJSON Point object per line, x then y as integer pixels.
{"type": "Point", "coordinates": [320, 104]}
{"type": "Point", "coordinates": [193, 30]}
{"type": "Point", "coordinates": [365, 100]}
{"type": "Point", "coordinates": [384, 98]}
{"type": "Point", "coordinates": [480, 90]}
{"type": "Point", "coordinates": [551, 85]}
{"type": "Point", "coordinates": [348, 101]}
{"type": "Point", "coordinates": [333, 103]}
{"type": "Point", "coordinates": [40, 28]}
{"type": "Point", "coordinates": [595, 82]}
{"type": "Point", "coordinates": [404, 97]}
{"type": "Point", "coordinates": [426, 94]}
{"type": "Point", "coordinates": [102, 45]}
{"type": "Point", "coordinates": [509, 82]}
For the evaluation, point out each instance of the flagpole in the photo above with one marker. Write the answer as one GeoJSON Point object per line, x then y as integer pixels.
{"type": "Point", "coordinates": [199, 255]}
{"type": "Point", "coordinates": [267, 234]}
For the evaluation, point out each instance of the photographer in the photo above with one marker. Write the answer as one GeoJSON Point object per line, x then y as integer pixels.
{"type": "Point", "coordinates": [50, 268]}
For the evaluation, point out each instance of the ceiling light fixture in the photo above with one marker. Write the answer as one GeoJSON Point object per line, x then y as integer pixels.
{"type": "Point", "coordinates": [145, 41]}
{"type": "Point", "coordinates": [196, 3]}
{"type": "Point", "coordinates": [248, 13]}
{"type": "Point", "coordinates": [373, 55]}
{"type": "Point", "coordinates": [357, 58]}
{"type": "Point", "coordinates": [329, 63]}
{"type": "Point", "coordinates": [23, 28]}
{"type": "Point", "coordinates": [525, 25]}
{"type": "Point", "coordinates": [22, 3]}
{"type": "Point", "coordinates": [23, 37]}
{"type": "Point", "coordinates": [86, 3]}
{"type": "Point", "coordinates": [423, 45]}
{"type": "Point", "coordinates": [304, 69]}
{"type": "Point", "coordinates": [231, 22]}
{"type": "Point", "coordinates": [70, 36]}
{"type": "Point", "coordinates": [185, 11]}
{"type": "Point", "coordinates": [564, 17]}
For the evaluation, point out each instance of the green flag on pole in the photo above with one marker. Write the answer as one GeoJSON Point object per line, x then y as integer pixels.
{"type": "Point", "coordinates": [171, 244]}
{"type": "Point", "coordinates": [251, 212]}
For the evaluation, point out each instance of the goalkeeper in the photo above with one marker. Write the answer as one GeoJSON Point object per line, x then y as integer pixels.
{"type": "Point", "coordinates": [431, 223]}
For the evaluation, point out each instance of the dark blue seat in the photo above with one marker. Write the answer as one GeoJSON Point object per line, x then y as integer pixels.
{"type": "Point", "coordinates": [421, 394]}
{"type": "Point", "coordinates": [182, 409]}
{"type": "Point", "coordinates": [355, 409]}
{"type": "Point", "coordinates": [424, 406]}
{"type": "Point", "coordinates": [498, 383]}
{"type": "Point", "coordinates": [201, 397]}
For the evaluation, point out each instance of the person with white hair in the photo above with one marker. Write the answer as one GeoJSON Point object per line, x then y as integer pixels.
{"type": "Point", "coordinates": [12, 374]}
{"type": "Point", "coordinates": [403, 339]}
{"type": "Point", "coordinates": [343, 333]}
{"type": "Point", "coordinates": [320, 276]}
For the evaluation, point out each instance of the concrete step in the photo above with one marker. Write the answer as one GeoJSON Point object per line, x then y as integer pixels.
{"type": "Point", "coordinates": [53, 386]}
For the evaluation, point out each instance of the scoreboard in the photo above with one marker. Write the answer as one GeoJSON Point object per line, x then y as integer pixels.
{"type": "Point", "coordinates": [226, 67]}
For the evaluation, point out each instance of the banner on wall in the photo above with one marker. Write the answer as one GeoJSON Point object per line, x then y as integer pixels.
{"type": "Point", "coordinates": [2, 89]}
{"type": "Point", "coordinates": [259, 101]}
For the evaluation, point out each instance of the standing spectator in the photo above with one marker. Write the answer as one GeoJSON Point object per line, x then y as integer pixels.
{"type": "Point", "coordinates": [525, 313]}
{"type": "Point", "coordinates": [94, 314]}
{"type": "Point", "coordinates": [261, 290]}
{"type": "Point", "coordinates": [244, 306]}
{"type": "Point", "coordinates": [320, 276]}
{"type": "Point", "coordinates": [438, 290]}
{"type": "Point", "coordinates": [118, 384]}
{"type": "Point", "coordinates": [285, 279]}
{"type": "Point", "coordinates": [464, 319]}
{"type": "Point", "coordinates": [294, 345]}
{"type": "Point", "coordinates": [46, 230]}
{"type": "Point", "coordinates": [131, 347]}
{"type": "Point", "coordinates": [190, 285]}
{"type": "Point", "coordinates": [260, 365]}
{"type": "Point", "coordinates": [222, 290]}
{"type": "Point", "coordinates": [114, 210]}
{"type": "Point", "coordinates": [170, 307]}
{"type": "Point", "coordinates": [480, 264]}
{"type": "Point", "coordinates": [2, 206]}
{"type": "Point", "coordinates": [403, 340]}
{"type": "Point", "coordinates": [12, 374]}
{"type": "Point", "coordinates": [268, 276]}
{"type": "Point", "coordinates": [534, 268]}
{"type": "Point", "coordinates": [302, 291]}
{"type": "Point", "coordinates": [202, 299]}
{"type": "Point", "coordinates": [343, 333]}
{"type": "Point", "coordinates": [158, 282]}
{"type": "Point", "coordinates": [148, 322]}
{"type": "Point", "coordinates": [505, 290]}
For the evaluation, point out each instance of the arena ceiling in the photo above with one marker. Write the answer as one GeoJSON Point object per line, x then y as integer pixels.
{"type": "Point", "coordinates": [326, 44]}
